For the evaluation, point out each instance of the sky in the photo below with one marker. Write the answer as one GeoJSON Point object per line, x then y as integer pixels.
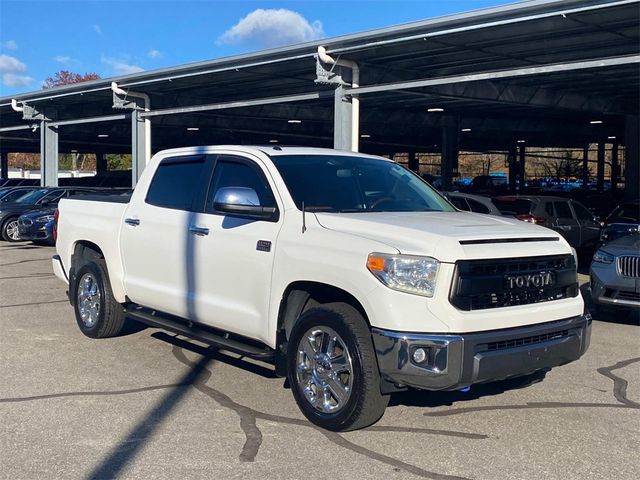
{"type": "Point", "coordinates": [114, 37]}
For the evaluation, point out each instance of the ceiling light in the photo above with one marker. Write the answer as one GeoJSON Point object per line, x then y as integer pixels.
{"type": "Point", "coordinates": [612, 137]}
{"type": "Point", "coordinates": [465, 130]}
{"type": "Point", "coordinates": [193, 129]}
{"type": "Point", "coordinates": [435, 109]}
{"type": "Point", "coordinates": [595, 122]}
{"type": "Point", "coordinates": [365, 135]}
{"type": "Point", "coordinates": [273, 141]}
{"type": "Point", "coordinates": [76, 151]}
{"type": "Point", "coordinates": [293, 120]}
{"type": "Point", "coordinates": [520, 141]}
{"type": "Point", "coordinates": [103, 135]}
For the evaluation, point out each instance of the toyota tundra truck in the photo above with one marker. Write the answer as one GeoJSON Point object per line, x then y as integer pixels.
{"type": "Point", "coordinates": [346, 271]}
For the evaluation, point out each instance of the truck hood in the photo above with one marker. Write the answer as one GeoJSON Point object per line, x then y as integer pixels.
{"type": "Point", "coordinates": [449, 236]}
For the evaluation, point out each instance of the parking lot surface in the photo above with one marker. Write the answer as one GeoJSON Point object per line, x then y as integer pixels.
{"type": "Point", "coordinates": [151, 405]}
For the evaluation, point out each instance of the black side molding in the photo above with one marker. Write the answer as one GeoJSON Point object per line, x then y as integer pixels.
{"type": "Point", "coordinates": [197, 332]}
{"type": "Point", "coordinates": [509, 240]}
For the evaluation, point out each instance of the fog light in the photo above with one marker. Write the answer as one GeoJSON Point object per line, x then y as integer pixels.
{"type": "Point", "coordinates": [419, 355]}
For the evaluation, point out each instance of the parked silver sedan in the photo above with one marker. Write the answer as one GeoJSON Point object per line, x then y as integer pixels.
{"type": "Point", "coordinates": [615, 273]}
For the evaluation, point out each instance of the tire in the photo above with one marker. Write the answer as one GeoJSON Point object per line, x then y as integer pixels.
{"type": "Point", "coordinates": [333, 370]}
{"type": "Point", "coordinates": [98, 314]}
{"type": "Point", "coordinates": [10, 230]}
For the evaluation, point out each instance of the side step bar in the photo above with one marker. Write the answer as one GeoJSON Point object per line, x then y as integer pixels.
{"type": "Point", "coordinates": [199, 333]}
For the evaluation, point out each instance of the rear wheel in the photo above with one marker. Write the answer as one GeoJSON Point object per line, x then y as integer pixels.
{"type": "Point", "coordinates": [10, 230]}
{"type": "Point", "coordinates": [333, 370]}
{"type": "Point", "coordinates": [98, 313]}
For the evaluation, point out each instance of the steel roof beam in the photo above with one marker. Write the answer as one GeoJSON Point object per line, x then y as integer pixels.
{"type": "Point", "coordinates": [497, 74]}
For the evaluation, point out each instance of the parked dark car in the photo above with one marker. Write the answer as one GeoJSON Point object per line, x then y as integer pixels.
{"type": "Point", "coordinates": [488, 184]}
{"type": "Point", "coordinates": [472, 203]}
{"type": "Point", "coordinates": [568, 217]}
{"type": "Point", "coordinates": [11, 194]}
{"type": "Point", "coordinates": [624, 220]}
{"type": "Point", "coordinates": [37, 226]}
{"type": "Point", "coordinates": [36, 200]}
{"type": "Point", "coordinates": [615, 273]}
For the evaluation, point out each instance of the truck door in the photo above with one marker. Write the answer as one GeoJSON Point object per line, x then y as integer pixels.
{"type": "Point", "coordinates": [234, 254]}
{"type": "Point", "coordinates": [157, 247]}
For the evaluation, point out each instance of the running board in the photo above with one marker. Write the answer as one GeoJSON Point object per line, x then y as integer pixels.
{"type": "Point", "coordinates": [196, 332]}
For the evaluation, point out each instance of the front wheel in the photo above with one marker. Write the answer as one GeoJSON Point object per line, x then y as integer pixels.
{"type": "Point", "coordinates": [332, 369]}
{"type": "Point", "coordinates": [10, 231]}
{"type": "Point", "coordinates": [98, 313]}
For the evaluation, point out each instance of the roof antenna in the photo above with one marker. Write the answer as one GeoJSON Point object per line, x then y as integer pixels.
{"type": "Point", "coordinates": [304, 220]}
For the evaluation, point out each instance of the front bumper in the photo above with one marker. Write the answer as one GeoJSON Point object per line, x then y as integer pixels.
{"type": "Point", "coordinates": [38, 232]}
{"type": "Point", "coordinates": [610, 288]}
{"type": "Point", "coordinates": [456, 361]}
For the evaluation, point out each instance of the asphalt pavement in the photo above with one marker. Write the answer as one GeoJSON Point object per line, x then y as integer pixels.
{"type": "Point", "coordinates": [151, 405]}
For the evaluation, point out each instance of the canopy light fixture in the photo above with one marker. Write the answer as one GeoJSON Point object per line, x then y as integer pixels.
{"type": "Point", "coordinates": [435, 109]}
{"type": "Point", "coordinates": [294, 120]}
{"type": "Point", "coordinates": [596, 122]}
{"type": "Point", "coordinates": [103, 135]}
{"type": "Point", "coordinates": [520, 141]}
{"type": "Point", "coordinates": [365, 135]}
{"type": "Point", "coordinates": [273, 141]}
{"type": "Point", "coordinates": [612, 137]}
{"type": "Point", "coordinates": [193, 129]}
{"type": "Point", "coordinates": [465, 130]}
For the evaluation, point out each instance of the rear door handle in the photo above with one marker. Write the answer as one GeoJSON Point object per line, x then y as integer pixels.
{"type": "Point", "coordinates": [134, 222]}
{"type": "Point", "coordinates": [201, 231]}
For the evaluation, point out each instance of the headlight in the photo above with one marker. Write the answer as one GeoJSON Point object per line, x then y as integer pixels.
{"type": "Point", "coordinates": [44, 219]}
{"type": "Point", "coordinates": [602, 257]}
{"type": "Point", "coordinates": [406, 273]}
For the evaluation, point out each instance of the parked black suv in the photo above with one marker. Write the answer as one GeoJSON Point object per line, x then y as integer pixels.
{"type": "Point", "coordinates": [568, 217]}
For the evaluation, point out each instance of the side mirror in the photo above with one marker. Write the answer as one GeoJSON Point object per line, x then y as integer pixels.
{"type": "Point", "coordinates": [244, 202]}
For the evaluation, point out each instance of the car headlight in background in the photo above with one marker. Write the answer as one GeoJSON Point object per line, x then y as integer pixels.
{"type": "Point", "coordinates": [406, 273]}
{"type": "Point", "coordinates": [44, 219]}
{"type": "Point", "coordinates": [602, 257]}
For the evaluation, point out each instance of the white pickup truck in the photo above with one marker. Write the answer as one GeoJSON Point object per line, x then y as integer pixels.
{"type": "Point", "coordinates": [348, 272]}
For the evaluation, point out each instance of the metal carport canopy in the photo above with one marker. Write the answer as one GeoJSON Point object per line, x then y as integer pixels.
{"type": "Point", "coordinates": [545, 44]}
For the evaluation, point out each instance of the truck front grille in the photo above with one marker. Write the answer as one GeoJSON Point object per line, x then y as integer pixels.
{"type": "Point", "coordinates": [495, 283]}
{"type": "Point", "coordinates": [629, 266]}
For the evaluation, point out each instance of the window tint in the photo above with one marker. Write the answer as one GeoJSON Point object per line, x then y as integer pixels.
{"type": "Point", "coordinates": [13, 196]}
{"type": "Point", "coordinates": [563, 210]}
{"type": "Point", "coordinates": [52, 197]}
{"type": "Point", "coordinates": [175, 182]}
{"type": "Point", "coordinates": [582, 213]}
{"type": "Point", "coordinates": [477, 206]}
{"type": "Point", "coordinates": [548, 207]}
{"type": "Point", "coordinates": [239, 173]}
{"type": "Point", "coordinates": [513, 206]}
{"type": "Point", "coordinates": [460, 203]}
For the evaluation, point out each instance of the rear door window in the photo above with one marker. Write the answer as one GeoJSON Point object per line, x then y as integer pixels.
{"type": "Point", "coordinates": [582, 213]}
{"type": "Point", "coordinates": [176, 182]}
{"type": "Point", "coordinates": [563, 210]}
{"type": "Point", "coordinates": [477, 206]}
{"type": "Point", "coordinates": [513, 206]}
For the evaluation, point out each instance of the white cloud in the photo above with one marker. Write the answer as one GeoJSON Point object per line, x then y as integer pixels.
{"type": "Point", "coordinates": [13, 80]}
{"type": "Point", "coordinates": [272, 28]}
{"type": "Point", "coordinates": [10, 64]}
{"type": "Point", "coordinates": [64, 59]}
{"type": "Point", "coordinates": [154, 54]}
{"type": "Point", "coordinates": [97, 29]}
{"type": "Point", "coordinates": [10, 45]}
{"type": "Point", "coordinates": [120, 66]}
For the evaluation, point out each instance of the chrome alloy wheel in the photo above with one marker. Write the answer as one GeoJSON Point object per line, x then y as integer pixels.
{"type": "Point", "coordinates": [12, 230]}
{"type": "Point", "coordinates": [324, 369]}
{"type": "Point", "coordinates": [88, 299]}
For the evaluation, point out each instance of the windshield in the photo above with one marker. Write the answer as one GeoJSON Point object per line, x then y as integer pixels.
{"type": "Point", "coordinates": [336, 183]}
{"type": "Point", "coordinates": [32, 197]}
{"type": "Point", "coordinates": [626, 213]}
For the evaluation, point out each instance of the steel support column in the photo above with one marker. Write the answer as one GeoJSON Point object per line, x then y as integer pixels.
{"type": "Point", "coordinates": [631, 158]}
{"type": "Point", "coordinates": [585, 167]}
{"type": "Point", "coordinates": [101, 163]}
{"type": "Point", "coordinates": [4, 164]}
{"type": "Point", "coordinates": [414, 165]}
{"type": "Point", "coordinates": [513, 167]}
{"type": "Point", "coordinates": [615, 167]}
{"type": "Point", "coordinates": [449, 159]}
{"type": "Point", "coordinates": [342, 120]}
{"type": "Point", "coordinates": [522, 155]}
{"type": "Point", "coordinates": [138, 142]}
{"type": "Point", "coordinates": [48, 154]}
{"type": "Point", "coordinates": [600, 173]}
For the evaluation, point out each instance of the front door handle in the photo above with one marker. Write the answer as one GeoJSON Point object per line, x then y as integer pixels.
{"type": "Point", "coordinates": [200, 231]}
{"type": "Point", "coordinates": [134, 222]}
